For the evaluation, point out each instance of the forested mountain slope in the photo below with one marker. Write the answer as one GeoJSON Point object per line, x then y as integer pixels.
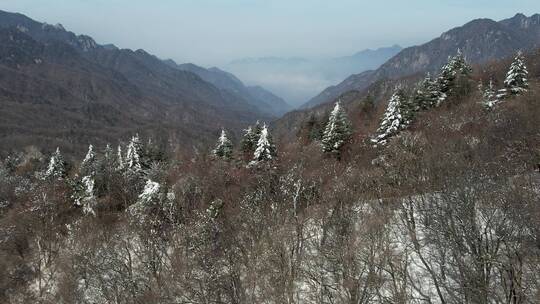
{"type": "Point", "coordinates": [480, 41]}
{"type": "Point", "coordinates": [259, 97]}
{"type": "Point", "coordinates": [60, 89]}
{"type": "Point", "coordinates": [444, 211]}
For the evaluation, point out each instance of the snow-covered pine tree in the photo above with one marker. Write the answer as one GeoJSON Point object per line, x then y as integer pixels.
{"type": "Point", "coordinates": [154, 207]}
{"type": "Point", "coordinates": [109, 162]}
{"type": "Point", "coordinates": [133, 154]}
{"type": "Point", "coordinates": [89, 163]}
{"type": "Point", "coordinates": [265, 147]}
{"type": "Point", "coordinates": [119, 158]}
{"type": "Point", "coordinates": [257, 129]}
{"type": "Point", "coordinates": [490, 96]}
{"type": "Point", "coordinates": [83, 195]}
{"type": "Point", "coordinates": [250, 139]}
{"type": "Point", "coordinates": [57, 166]}
{"type": "Point", "coordinates": [393, 120]}
{"type": "Point", "coordinates": [108, 152]}
{"type": "Point", "coordinates": [452, 72]}
{"type": "Point", "coordinates": [224, 147]}
{"type": "Point", "coordinates": [516, 78]}
{"type": "Point", "coordinates": [426, 94]}
{"type": "Point", "coordinates": [150, 193]}
{"type": "Point", "coordinates": [337, 131]}
{"type": "Point", "coordinates": [460, 64]}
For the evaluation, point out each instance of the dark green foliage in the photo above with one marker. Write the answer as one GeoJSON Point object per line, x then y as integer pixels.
{"type": "Point", "coordinates": [337, 131]}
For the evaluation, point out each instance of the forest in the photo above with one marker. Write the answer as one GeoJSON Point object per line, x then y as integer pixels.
{"type": "Point", "coordinates": [431, 196]}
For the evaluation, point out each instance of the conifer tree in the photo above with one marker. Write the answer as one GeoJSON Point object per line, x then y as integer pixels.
{"type": "Point", "coordinates": [393, 120]}
{"type": "Point", "coordinates": [257, 129]}
{"type": "Point", "coordinates": [337, 131]}
{"type": "Point", "coordinates": [426, 94]}
{"type": "Point", "coordinates": [249, 140]}
{"type": "Point", "coordinates": [265, 147]}
{"type": "Point", "coordinates": [108, 162]}
{"type": "Point", "coordinates": [57, 166]}
{"type": "Point", "coordinates": [108, 152]}
{"type": "Point", "coordinates": [153, 208]}
{"type": "Point", "coordinates": [133, 154]}
{"type": "Point", "coordinates": [452, 75]}
{"type": "Point", "coordinates": [490, 96]}
{"type": "Point", "coordinates": [516, 78]}
{"type": "Point", "coordinates": [119, 158]}
{"type": "Point", "coordinates": [89, 164]}
{"type": "Point", "coordinates": [83, 195]}
{"type": "Point", "coordinates": [460, 64]}
{"type": "Point", "coordinates": [224, 147]}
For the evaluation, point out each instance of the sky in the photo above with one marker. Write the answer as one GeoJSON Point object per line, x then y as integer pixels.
{"type": "Point", "coordinates": [216, 32]}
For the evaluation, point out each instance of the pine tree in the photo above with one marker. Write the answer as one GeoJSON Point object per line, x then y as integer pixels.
{"type": "Point", "coordinates": [89, 164]}
{"type": "Point", "coordinates": [490, 96]}
{"type": "Point", "coordinates": [83, 195]}
{"type": "Point", "coordinates": [154, 207]}
{"type": "Point", "coordinates": [516, 78]}
{"type": "Point", "coordinates": [393, 120]}
{"type": "Point", "coordinates": [257, 129]}
{"type": "Point", "coordinates": [57, 166]}
{"type": "Point", "coordinates": [460, 64]}
{"type": "Point", "coordinates": [108, 152]}
{"type": "Point", "coordinates": [133, 154]}
{"type": "Point", "coordinates": [150, 193]}
{"type": "Point", "coordinates": [108, 162]}
{"type": "Point", "coordinates": [249, 141]}
{"type": "Point", "coordinates": [265, 147]}
{"type": "Point", "coordinates": [427, 94]}
{"type": "Point", "coordinates": [337, 131]}
{"type": "Point", "coordinates": [120, 158]}
{"type": "Point", "coordinates": [454, 75]}
{"type": "Point", "coordinates": [224, 147]}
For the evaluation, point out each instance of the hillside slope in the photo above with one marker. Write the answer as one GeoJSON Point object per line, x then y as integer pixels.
{"type": "Point", "coordinates": [265, 101]}
{"type": "Point", "coordinates": [480, 40]}
{"type": "Point", "coordinates": [57, 88]}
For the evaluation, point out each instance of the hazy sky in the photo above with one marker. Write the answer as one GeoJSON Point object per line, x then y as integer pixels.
{"type": "Point", "coordinates": [214, 32]}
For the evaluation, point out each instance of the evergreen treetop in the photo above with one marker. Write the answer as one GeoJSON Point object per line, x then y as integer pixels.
{"type": "Point", "coordinates": [120, 158]}
{"type": "Point", "coordinates": [88, 165]}
{"type": "Point", "coordinates": [133, 154]}
{"type": "Point", "coordinates": [426, 94]}
{"type": "Point", "coordinates": [393, 120]}
{"type": "Point", "coordinates": [56, 167]}
{"type": "Point", "coordinates": [224, 147]}
{"type": "Point", "coordinates": [516, 78]}
{"type": "Point", "coordinates": [337, 131]}
{"type": "Point", "coordinates": [456, 68]}
{"type": "Point", "coordinates": [265, 147]}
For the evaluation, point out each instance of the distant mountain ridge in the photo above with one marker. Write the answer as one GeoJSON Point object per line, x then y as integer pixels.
{"type": "Point", "coordinates": [298, 79]}
{"type": "Point", "coordinates": [58, 88]}
{"type": "Point", "coordinates": [265, 101]}
{"type": "Point", "coordinates": [480, 40]}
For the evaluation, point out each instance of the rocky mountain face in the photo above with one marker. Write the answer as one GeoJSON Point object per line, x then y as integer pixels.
{"type": "Point", "coordinates": [262, 99]}
{"type": "Point", "coordinates": [480, 40]}
{"type": "Point", "coordinates": [57, 88]}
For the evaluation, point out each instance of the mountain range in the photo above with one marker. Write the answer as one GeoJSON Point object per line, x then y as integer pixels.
{"type": "Point", "coordinates": [59, 88]}
{"type": "Point", "coordinates": [264, 100]}
{"type": "Point", "coordinates": [297, 79]}
{"type": "Point", "coordinates": [480, 40]}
